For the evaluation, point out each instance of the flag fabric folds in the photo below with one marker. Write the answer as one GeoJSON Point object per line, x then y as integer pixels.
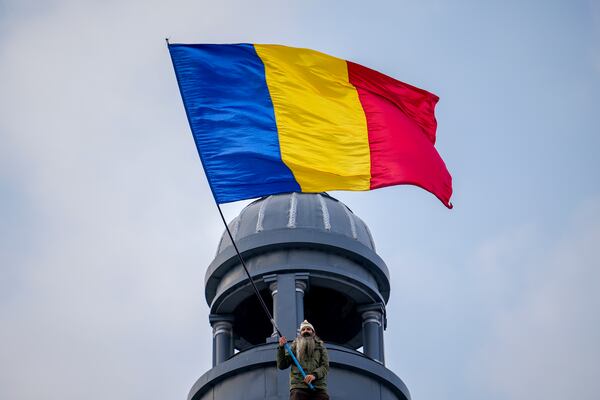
{"type": "Point", "coordinates": [270, 119]}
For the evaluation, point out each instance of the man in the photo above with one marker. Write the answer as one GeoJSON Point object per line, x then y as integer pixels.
{"type": "Point", "coordinates": [312, 355]}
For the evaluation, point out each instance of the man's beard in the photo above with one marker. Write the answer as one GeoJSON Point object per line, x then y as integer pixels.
{"type": "Point", "coordinates": [305, 347]}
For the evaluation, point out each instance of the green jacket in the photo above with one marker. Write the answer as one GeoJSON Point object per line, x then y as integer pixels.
{"type": "Point", "coordinates": [317, 365]}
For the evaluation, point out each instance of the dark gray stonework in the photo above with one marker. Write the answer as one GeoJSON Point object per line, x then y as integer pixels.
{"type": "Point", "coordinates": [311, 258]}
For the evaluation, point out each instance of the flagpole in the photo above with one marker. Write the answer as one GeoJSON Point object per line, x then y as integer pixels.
{"type": "Point", "coordinates": [262, 302]}
{"type": "Point", "coordinates": [260, 299]}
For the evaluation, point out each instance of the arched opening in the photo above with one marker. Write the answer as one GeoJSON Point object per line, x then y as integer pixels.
{"type": "Point", "coordinates": [251, 326]}
{"type": "Point", "coordinates": [333, 314]}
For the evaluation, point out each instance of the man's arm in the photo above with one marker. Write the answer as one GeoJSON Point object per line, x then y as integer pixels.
{"type": "Point", "coordinates": [283, 359]}
{"type": "Point", "coordinates": [323, 368]}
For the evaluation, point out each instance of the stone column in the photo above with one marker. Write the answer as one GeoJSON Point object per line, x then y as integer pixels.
{"type": "Point", "coordinates": [372, 331]}
{"type": "Point", "coordinates": [382, 346]}
{"type": "Point", "coordinates": [283, 290]}
{"type": "Point", "coordinates": [282, 287]}
{"type": "Point", "coordinates": [222, 337]}
{"type": "Point", "coordinates": [286, 305]}
{"type": "Point", "coordinates": [274, 292]}
{"type": "Point", "coordinates": [301, 285]}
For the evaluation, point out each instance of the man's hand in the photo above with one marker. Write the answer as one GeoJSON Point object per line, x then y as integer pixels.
{"type": "Point", "coordinates": [282, 341]}
{"type": "Point", "coordinates": [309, 378]}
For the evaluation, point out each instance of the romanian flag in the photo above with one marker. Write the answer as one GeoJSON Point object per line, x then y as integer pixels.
{"type": "Point", "coordinates": [270, 119]}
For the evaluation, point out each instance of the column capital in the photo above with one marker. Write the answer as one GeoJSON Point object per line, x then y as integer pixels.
{"type": "Point", "coordinates": [301, 281]}
{"type": "Point", "coordinates": [301, 286]}
{"type": "Point", "coordinates": [216, 318]}
{"type": "Point", "coordinates": [222, 327]}
{"type": "Point", "coordinates": [372, 317]}
{"type": "Point", "coordinates": [372, 313]}
{"type": "Point", "coordinates": [302, 276]}
{"type": "Point", "coordinates": [271, 281]}
{"type": "Point", "coordinates": [377, 307]}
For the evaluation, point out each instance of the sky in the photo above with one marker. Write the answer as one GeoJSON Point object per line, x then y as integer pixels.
{"type": "Point", "coordinates": [107, 223]}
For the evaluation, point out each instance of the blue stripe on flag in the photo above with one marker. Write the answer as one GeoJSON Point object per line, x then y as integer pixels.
{"type": "Point", "coordinates": [231, 115]}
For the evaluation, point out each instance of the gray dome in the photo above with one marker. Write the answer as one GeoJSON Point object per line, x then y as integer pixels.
{"type": "Point", "coordinates": [299, 234]}
{"type": "Point", "coordinates": [296, 231]}
{"type": "Point", "coordinates": [290, 211]}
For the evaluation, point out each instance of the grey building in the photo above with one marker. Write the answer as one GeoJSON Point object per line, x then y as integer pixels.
{"type": "Point", "coordinates": [311, 258]}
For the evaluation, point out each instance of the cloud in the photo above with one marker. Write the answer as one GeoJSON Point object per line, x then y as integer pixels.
{"type": "Point", "coordinates": [545, 344]}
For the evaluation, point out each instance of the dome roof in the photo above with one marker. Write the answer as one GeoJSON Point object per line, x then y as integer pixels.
{"type": "Point", "coordinates": [290, 211]}
{"type": "Point", "coordinates": [293, 232]}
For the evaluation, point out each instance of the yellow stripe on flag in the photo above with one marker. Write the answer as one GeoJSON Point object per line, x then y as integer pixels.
{"type": "Point", "coordinates": [321, 123]}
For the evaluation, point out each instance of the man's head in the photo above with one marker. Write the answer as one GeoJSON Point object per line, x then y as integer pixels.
{"type": "Point", "coordinates": [306, 329]}
{"type": "Point", "coordinates": [305, 343]}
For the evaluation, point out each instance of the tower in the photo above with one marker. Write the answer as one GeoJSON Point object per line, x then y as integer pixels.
{"type": "Point", "coordinates": [311, 258]}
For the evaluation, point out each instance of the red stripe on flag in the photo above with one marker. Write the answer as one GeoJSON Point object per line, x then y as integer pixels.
{"type": "Point", "coordinates": [401, 125]}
